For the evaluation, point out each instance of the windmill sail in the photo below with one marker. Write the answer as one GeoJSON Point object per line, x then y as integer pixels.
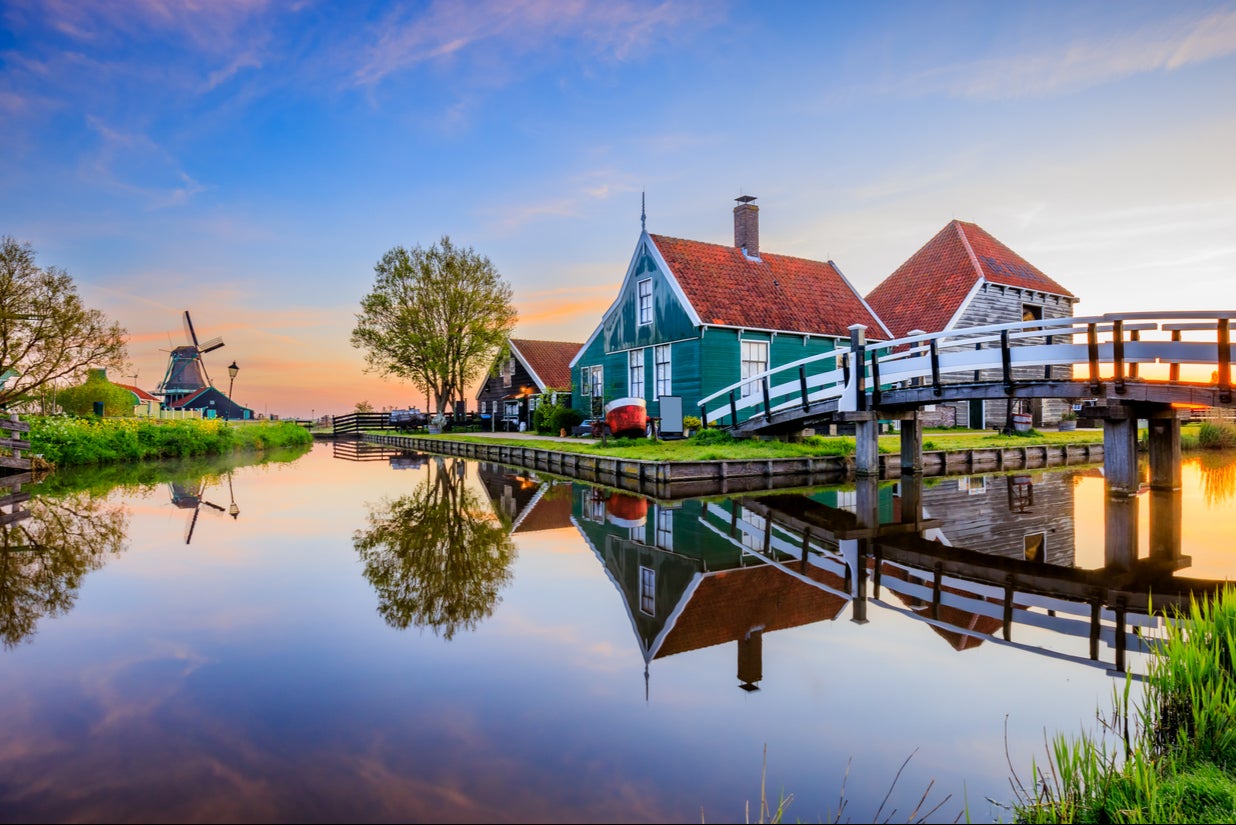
{"type": "Point", "coordinates": [186, 371]}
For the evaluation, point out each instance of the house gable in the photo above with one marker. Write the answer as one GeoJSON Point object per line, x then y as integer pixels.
{"type": "Point", "coordinates": [932, 290]}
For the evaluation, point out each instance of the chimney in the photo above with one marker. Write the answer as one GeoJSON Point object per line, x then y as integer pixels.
{"type": "Point", "coordinates": [747, 226]}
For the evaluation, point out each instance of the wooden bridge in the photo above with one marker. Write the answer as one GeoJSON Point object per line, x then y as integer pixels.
{"type": "Point", "coordinates": [1131, 363]}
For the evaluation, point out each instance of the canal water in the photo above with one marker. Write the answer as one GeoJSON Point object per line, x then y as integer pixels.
{"type": "Point", "coordinates": [354, 634]}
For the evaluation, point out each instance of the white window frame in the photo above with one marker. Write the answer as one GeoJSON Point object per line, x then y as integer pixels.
{"type": "Point", "coordinates": [597, 381]}
{"type": "Point", "coordinates": [663, 370]}
{"type": "Point", "coordinates": [643, 301]}
{"type": "Point", "coordinates": [647, 590]}
{"type": "Point", "coordinates": [749, 364]}
{"type": "Point", "coordinates": [635, 373]}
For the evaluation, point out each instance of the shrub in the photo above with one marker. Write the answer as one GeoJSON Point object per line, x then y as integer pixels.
{"type": "Point", "coordinates": [80, 400]}
{"type": "Point", "coordinates": [711, 436]}
{"type": "Point", "coordinates": [565, 418]}
{"type": "Point", "coordinates": [1216, 436]}
{"type": "Point", "coordinates": [691, 422]}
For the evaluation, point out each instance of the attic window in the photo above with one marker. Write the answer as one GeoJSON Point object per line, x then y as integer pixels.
{"type": "Point", "coordinates": [644, 295]}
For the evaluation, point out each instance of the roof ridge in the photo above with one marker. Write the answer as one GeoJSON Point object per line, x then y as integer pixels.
{"type": "Point", "coordinates": [965, 242]}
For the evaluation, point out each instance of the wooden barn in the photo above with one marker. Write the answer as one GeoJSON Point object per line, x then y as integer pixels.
{"type": "Point", "coordinates": [528, 373]}
{"type": "Point", "coordinates": [693, 317]}
{"type": "Point", "coordinates": [964, 277]}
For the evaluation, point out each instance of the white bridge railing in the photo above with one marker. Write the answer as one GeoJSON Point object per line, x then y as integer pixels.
{"type": "Point", "coordinates": [1110, 347]}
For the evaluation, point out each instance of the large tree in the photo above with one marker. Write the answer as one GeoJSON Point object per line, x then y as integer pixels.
{"type": "Point", "coordinates": [435, 317]}
{"type": "Point", "coordinates": [47, 334]}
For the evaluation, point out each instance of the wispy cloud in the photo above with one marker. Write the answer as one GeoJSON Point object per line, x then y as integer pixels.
{"type": "Point", "coordinates": [166, 185]}
{"type": "Point", "coordinates": [447, 30]}
{"type": "Point", "coordinates": [1069, 65]}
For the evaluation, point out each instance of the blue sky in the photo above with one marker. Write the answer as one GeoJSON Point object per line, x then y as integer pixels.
{"type": "Point", "coordinates": [251, 161]}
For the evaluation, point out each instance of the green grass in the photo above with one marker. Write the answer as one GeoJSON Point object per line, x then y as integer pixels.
{"type": "Point", "coordinates": [1174, 758]}
{"type": "Point", "coordinates": [715, 445]}
{"type": "Point", "coordinates": [65, 441]}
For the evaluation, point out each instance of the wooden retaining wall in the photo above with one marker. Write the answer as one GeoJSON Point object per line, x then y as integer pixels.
{"type": "Point", "coordinates": [686, 479]}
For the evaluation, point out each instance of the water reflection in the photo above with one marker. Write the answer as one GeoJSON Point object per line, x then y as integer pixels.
{"type": "Point", "coordinates": [47, 546]}
{"type": "Point", "coordinates": [979, 560]}
{"type": "Point", "coordinates": [1218, 473]}
{"type": "Point", "coordinates": [436, 556]}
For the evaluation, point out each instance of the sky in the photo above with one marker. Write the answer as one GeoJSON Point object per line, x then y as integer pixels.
{"type": "Point", "coordinates": [251, 161]}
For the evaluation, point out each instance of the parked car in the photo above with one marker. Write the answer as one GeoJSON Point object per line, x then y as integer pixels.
{"type": "Point", "coordinates": [590, 427]}
{"type": "Point", "coordinates": [409, 419]}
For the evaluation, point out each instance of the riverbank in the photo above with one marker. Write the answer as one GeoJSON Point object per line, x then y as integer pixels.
{"type": "Point", "coordinates": [65, 441]}
{"type": "Point", "coordinates": [691, 471]}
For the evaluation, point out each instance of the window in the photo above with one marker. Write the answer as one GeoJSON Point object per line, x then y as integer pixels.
{"type": "Point", "coordinates": [585, 381]}
{"type": "Point", "coordinates": [508, 372]}
{"type": "Point", "coordinates": [661, 355]}
{"type": "Point", "coordinates": [644, 290]}
{"type": "Point", "coordinates": [665, 528]}
{"type": "Point", "coordinates": [754, 361]}
{"type": "Point", "coordinates": [648, 591]}
{"type": "Point", "coordinates": [597, 382]}
{"type": "Point", "coordinates": [635, 359]}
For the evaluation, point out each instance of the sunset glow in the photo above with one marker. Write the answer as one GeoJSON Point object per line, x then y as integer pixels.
{"type": "Point", "coordinates": [252, 161]}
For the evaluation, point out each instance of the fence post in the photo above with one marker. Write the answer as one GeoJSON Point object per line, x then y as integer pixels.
{"type": "Point", "coordinates": [1173, 373]}
{"type": "Point", "coordinates": [767, 405]}
{"type": "Point", "coordinates": [1118, 356]}
{"type": "Point", "coordinates": [1006, 360]}
{"type": "Point", "coordinates": [1225, 360]}
{"type": "Point", "coordinates": [1092, 347]}
{"type": "Point", "coordinates": [935, 368]}
{"type": "Point", "coordinates": [858, 347]}
{"type": "Point", "coordinates": [733, 410]}
{"type": "Point", "coordinates": [802, 384]}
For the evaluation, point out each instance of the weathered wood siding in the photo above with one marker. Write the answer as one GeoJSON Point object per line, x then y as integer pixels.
{"type": "Point", "coordinates": [1000, 304]}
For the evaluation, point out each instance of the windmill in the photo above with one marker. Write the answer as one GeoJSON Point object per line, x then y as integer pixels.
{"type": "Point", "coordinates": [186, 371]}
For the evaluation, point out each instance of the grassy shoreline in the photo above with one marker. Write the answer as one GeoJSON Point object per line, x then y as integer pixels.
{"type": "Point", "coordinates": [64, 441]}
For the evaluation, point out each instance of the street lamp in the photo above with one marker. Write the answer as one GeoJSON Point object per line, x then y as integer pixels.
{"type": "Point", "coordinates": [231, 371]}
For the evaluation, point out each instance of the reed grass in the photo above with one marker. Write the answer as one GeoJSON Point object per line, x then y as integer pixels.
{"type": "Point", "coordinates": [1173, 758]}
{"type": "Point", "coordinates": [65, 441]}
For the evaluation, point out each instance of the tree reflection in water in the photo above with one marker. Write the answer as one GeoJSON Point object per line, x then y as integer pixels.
{"type": "Point", "coordinates": [45, 557]}
{"type": "Point", "coordinates": [436, 557]}
{"type": "Point", "coordinates": [1218, 471]}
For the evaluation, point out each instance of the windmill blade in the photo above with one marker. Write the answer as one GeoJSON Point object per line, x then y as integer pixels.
{"type": "Point", "coordinates": [189, 329]}
{"type": "Point", "coordinates": [211, 345]}
{"type": "Point", "coordinates": [216, 506]}
{"type": "Point", "coordinates": [190, 526]}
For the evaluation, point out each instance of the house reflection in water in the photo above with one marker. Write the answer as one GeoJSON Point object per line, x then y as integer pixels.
{"type": "Point", "coordinates": [695, 574]}
{"type": "Point", "coordinates": [972, 558]}
{"type": "Point", "coordinates": [523, 501]}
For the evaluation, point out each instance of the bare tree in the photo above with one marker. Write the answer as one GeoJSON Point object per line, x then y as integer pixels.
{"type": "Point", "coordinates": [46, 333]}
{"type": "Point", "coordinates": [435, 318]}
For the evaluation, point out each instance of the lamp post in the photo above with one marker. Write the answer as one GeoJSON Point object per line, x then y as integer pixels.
{"type": "Point", "coordinates": [231, 371]}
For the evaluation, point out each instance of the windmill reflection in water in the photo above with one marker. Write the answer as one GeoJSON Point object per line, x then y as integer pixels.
{"type": "Point", "coordinates": [190, 496]}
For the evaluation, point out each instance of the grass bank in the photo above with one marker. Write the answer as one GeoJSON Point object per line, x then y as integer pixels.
{"type": "Point", "coordinates": [1173, 758]}
{"type": "Point", "coordinates": [64, 441]}
{"type": "Point", "coordinates": [718, 445]}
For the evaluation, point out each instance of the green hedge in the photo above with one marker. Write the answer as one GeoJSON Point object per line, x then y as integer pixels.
{"type": "Point", "coordinates": [66, 441]}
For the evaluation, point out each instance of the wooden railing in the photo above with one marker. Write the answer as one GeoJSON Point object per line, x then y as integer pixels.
{"type": "Point", "coordinates": [17, 442]}
{"type": "Point", "coordinates": [1104, 349]}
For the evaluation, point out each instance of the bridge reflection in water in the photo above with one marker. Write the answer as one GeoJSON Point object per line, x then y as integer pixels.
{"type": "Point", "coordinates": [979, 560]}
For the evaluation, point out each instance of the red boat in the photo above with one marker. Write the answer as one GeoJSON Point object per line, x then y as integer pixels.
{"type": "Point", "coordinates": [626, 510]}
{"type": "Point", "coordinates": [627, 417]}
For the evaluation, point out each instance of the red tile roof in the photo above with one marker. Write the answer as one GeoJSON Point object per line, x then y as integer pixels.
{"type": "Point", "coordinates": [728, 605]}
{"type": "Point", "coordinates": [141, 394]}
{"type": "Point", "coordinates": [776, 292]}
{"type": "Point", "coordinates": [550, 361]}
{"type": "Point", "coordinates": [926, 291]}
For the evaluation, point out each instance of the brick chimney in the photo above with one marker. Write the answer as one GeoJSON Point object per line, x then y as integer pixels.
{"type": "Point", "coordinates": [747, 226]}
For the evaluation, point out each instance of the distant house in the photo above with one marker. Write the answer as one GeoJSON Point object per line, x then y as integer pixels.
{"type": "Point", "coordinates": [140, 396]}
{"type": "Point", "coordinates": [213, 404]}
{"type": "Point", "coordinates": [964, 277]}
{"type": "Point", "coordinates": [692, 318]}
{"type": "Point", "coordinates": [528, 373]}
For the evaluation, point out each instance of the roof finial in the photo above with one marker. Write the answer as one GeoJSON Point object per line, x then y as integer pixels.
{"type": "Point", "coordinates": [643, 215]}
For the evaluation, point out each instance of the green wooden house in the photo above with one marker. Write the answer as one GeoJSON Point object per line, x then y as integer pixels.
{"type": "Point", "coordinates": [694, 317]}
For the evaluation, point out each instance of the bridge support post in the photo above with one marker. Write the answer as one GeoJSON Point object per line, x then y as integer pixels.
{"type": "Point", "coordinates": [866, 443]}
{"type": "Point", "coordinates": [911, 446]}
{"type": "Point", "coordinates": [1120, 451]}
{"type": "Point", "coordinates": [1164, 444]}
{"type": "Point", "coordinates": [1120, 533]}
{"type": "Point", "coordinates": [1166, 517]}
